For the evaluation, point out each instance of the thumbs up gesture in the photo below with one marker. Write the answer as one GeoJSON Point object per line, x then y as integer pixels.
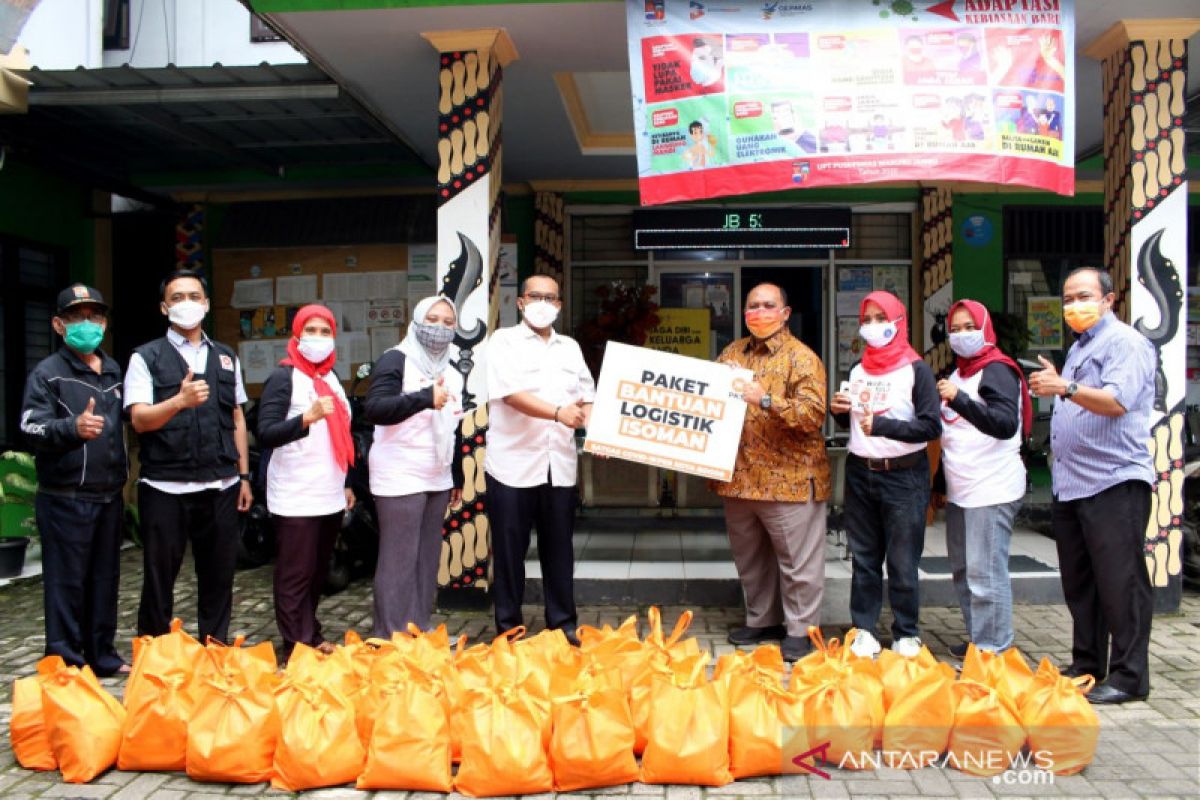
{"type": "Point", "coordinates": [89, 425]}
{"type": "Point", "coordinates": [1046, 382]}
{"type": "Point", "coordinates": [192, 392]}
{"type": "Point", "coordinates": [440, 394]}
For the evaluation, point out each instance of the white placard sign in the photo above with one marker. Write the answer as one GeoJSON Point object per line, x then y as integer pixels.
{"type": "Point", "coordinates": [668, 411]}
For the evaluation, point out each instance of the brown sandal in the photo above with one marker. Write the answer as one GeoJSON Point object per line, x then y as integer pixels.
{"type": "Point", "coordinates": [326, 648]}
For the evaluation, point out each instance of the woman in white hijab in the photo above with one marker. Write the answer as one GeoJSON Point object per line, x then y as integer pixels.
{"type": "Point", "coordinates": [415, 403]}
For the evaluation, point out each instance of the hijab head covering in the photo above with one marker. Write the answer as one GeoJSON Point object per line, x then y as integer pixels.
{"type": "Point", "coordinates": [339, 423]}
{"type": "Point", "coordinates": [991, 354]}
{"type": "Point", "coordinates": [432, 366]}
{"type": "Point", "coordinates": [896, 353]}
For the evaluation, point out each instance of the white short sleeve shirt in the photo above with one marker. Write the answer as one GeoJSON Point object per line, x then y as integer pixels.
{"type": "Point", "coordinates": [524, 451]}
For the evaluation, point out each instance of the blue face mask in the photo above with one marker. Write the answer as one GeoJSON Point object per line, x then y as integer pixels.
{"type": "Point", "coordinates": [84, 336]}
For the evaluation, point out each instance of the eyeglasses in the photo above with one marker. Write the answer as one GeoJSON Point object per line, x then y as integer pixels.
{"type": "Point", "coordinates": [539, 296]}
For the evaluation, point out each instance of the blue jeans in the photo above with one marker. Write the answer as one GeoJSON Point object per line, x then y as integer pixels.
{"type": "Point", "coordinates": [885, 520]}
{"type": "Point", "coordinates": [977, 541]}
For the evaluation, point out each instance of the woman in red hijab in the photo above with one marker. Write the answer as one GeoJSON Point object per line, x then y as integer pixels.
{"type": "Point", "coordinates": [892, 407]}
{"type": "Point", "coordinates": [987, 409]}
{"type": "Point", "coordinates": [303, 416]}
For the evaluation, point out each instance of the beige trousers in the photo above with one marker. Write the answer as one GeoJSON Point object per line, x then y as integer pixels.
{"type": "Point", "coordinates": [779, 551]}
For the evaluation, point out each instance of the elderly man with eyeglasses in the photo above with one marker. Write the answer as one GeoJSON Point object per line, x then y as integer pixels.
{"type": "Point", "coordinates": [539, 393]}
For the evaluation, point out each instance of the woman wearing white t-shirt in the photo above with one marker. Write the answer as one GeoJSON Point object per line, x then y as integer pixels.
{"type": "Point", "coordinates": [303, 417]}
{"type": "Point", "coordinates": [986, 410]}
{"type": "Point", "coordinates": [892, 408]}
{"type": "Point", "coordinates": [415, 403]}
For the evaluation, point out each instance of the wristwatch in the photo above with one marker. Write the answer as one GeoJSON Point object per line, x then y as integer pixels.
{"type": "Point", "coordinates": [1072, 388]}
{"type": "Point", "coordinates": [245, 476]}
{"type": "Point", "coordinates": [765, 401]}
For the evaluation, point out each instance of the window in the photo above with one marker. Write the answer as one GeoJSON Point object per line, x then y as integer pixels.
{"type": "Point", "coordinates": [116, 24]}
{"type": "Point", "coordinates": [261, 31]}
{"type": "Point", "coordinates": [32, 278]}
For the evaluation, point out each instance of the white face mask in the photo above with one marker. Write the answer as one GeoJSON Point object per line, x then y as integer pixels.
{"type": "Point", "coordinates": [967, 343]}
{"type": "Point", "coordinates": [187, 314]}
{"type": "Point", "coordinates": [540, 314]}
{"type": "Point", "coordinates": [316, 348]}
{"type": "Point", "coordinates": [877, 334]}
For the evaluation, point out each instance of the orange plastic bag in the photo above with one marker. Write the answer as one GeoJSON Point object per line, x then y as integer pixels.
{"type": "Point", "coordinates": [917, 726]}
{"type": "Point", "coordinates": [83, 722]}
{"type": "Point", "coordinates": [843, 707]}
{"type": "Point", "coordinates": [592, 741]}
{"type": "Point", "coordinates": [159, 701]}
{"type": "Point", "coordinates": [1063, 727]}
{"type": "Point", "coordinates": [502, 751]}
{"type": "Point", "coordinates": [688, 734]}
{"type": "Point", "coordinates": [658, 654]}
{"type": "Point", "coordinates": [898, 672]}
{"type": "Point", "coordinates": [987, 732]}
{"type": "Point", "coordinates": [233, 730]}
{"type": "Point", "coordinates": [1007, 672]}
{"type": "Point", "coordinates": [610, 648]}
{"type": "Point", "coordinates": [27, 727]}
{"type": "Point", "coordinates": [318, 744]}
{"type": "Point", "coordinates": [764, 658]}
{"type": "Point", "coordinates": [766, 723]}
{"type": "Point", "coordinates": [410, 742]}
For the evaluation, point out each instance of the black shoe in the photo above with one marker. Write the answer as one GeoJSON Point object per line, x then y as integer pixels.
{"type": "Point", "coordinates": [1073, 671]}
{"type": "Point", "coordinates": [795, 648]}
{"type": "Point", "coordinates": [572, 637]}
{"type": "Point", "coordinates": [959, 650]}
{"type": "Point", "coordinates": [1107, 695]}
{"type": "Point", "coordinates": [748, 635]}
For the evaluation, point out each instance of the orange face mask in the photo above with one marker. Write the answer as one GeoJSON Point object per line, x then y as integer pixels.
{"type": "Point", "coordinates": [1082, 314]}
{"type": "Point", "coordinates": [762, 322]}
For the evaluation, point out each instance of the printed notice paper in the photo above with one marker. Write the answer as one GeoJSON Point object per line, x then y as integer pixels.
{"type": "Point", "coordinates": [668, 411]}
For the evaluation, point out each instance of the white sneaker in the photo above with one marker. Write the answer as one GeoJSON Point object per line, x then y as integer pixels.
{"type": "Point", "coordinates": [865, 645]}
{"type": "Point", "coordinates": [907, 646]}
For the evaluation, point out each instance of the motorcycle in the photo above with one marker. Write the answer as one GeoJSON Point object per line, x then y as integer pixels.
{"type": "Point", "coordinates": [357, 547]}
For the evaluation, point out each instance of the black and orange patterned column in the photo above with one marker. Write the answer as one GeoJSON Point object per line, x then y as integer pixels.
{"type": "Point", "coordinates": [1145, 248]}
{"type": "Point", "coordinates": [549, 236]}
{"type": "Point", "coordinates": [189, 240]}
{"type": "Point", "coordinates": [470, 77]}
{"type": "Point", "coordinates": [937, 260]}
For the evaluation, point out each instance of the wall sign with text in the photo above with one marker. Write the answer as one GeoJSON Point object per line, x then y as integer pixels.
{"type": "Point", "coordinates": [738, 98]}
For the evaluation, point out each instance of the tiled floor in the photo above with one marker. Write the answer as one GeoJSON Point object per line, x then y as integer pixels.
{"type": "Point", "coordinates": [648, 554]}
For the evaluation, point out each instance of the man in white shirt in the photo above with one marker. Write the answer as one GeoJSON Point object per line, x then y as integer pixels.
{"type": "Point", "coordinates": [184, 395]}
{"type": "Point", "coordinates": [539, 393]}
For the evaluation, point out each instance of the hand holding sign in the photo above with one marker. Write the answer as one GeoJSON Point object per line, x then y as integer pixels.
{"type": "Point", "coordinates": [572, 416]}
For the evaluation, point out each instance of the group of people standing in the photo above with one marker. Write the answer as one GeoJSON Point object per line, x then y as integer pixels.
{"type": "Point", "coordinates": [183, 392]}
{"type": "Point", "coordinates": [894, 407]}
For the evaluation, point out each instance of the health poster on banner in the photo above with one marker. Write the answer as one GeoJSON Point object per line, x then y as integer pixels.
{"type": "Point", "coordinates": [1044, 319]}
{"type": "Point", "coordinates": [751, 97]}
{"type": "Point", "coordinates": [668, 411]}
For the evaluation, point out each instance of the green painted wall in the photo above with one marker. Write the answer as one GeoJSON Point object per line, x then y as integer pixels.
{"type": "Point", "coordinates": [517, 220]}
{"type": "Point", "coordinates": [45, 208]}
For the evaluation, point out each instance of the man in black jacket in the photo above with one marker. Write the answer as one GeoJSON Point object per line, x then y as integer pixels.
{"type": "Point", "coordinates": [184, 395]}
{"type": "Point", "coordinates": [71, 415]}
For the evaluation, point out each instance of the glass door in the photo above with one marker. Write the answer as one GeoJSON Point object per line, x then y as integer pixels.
{"type": "Point", "coordinates": [712, 287]}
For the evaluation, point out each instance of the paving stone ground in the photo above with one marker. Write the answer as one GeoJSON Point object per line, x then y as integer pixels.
{"type": "Point", "coordinates": [1146, 750]}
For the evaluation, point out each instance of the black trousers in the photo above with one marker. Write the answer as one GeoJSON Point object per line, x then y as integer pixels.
{"type": "Point", "coordinates": [1107, 589]}
{"type": "Point", "coordinates": [81, 572]}
{"type": "Point", "coordinates": [305, 545]}
{"type": "Point", "coordinates": [209, 520]}
{"type": "Point", "coordinates": [512, 512]}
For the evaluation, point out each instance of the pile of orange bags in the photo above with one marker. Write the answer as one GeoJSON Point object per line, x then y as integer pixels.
{"type": "Point", "coordinates": [532, 714]}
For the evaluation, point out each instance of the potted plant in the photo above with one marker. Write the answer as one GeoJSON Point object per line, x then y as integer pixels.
{"type": "Point", "coordinates": [627, 314]}
{"type": "Point", "coordinates": [18, 485]}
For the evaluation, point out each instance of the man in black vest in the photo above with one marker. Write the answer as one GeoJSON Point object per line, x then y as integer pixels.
{"type": "Point", "coordinates": [183, 393]}
{"type": "Point", "coordinates": [71, 416]}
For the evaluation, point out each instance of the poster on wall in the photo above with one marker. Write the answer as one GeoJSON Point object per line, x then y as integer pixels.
{"type": "Point", "coordinates": [741, 98]}
{"type": "Point", "coordinates": [685, 331]}
{"type": "Point", "coordinates": [1044, 319]}
{"type": "Point", "coordinates": [669, 411]}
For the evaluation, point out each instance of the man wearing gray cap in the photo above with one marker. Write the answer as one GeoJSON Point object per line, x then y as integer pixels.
{"type": "Point", "coordinates": [71, 415]}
